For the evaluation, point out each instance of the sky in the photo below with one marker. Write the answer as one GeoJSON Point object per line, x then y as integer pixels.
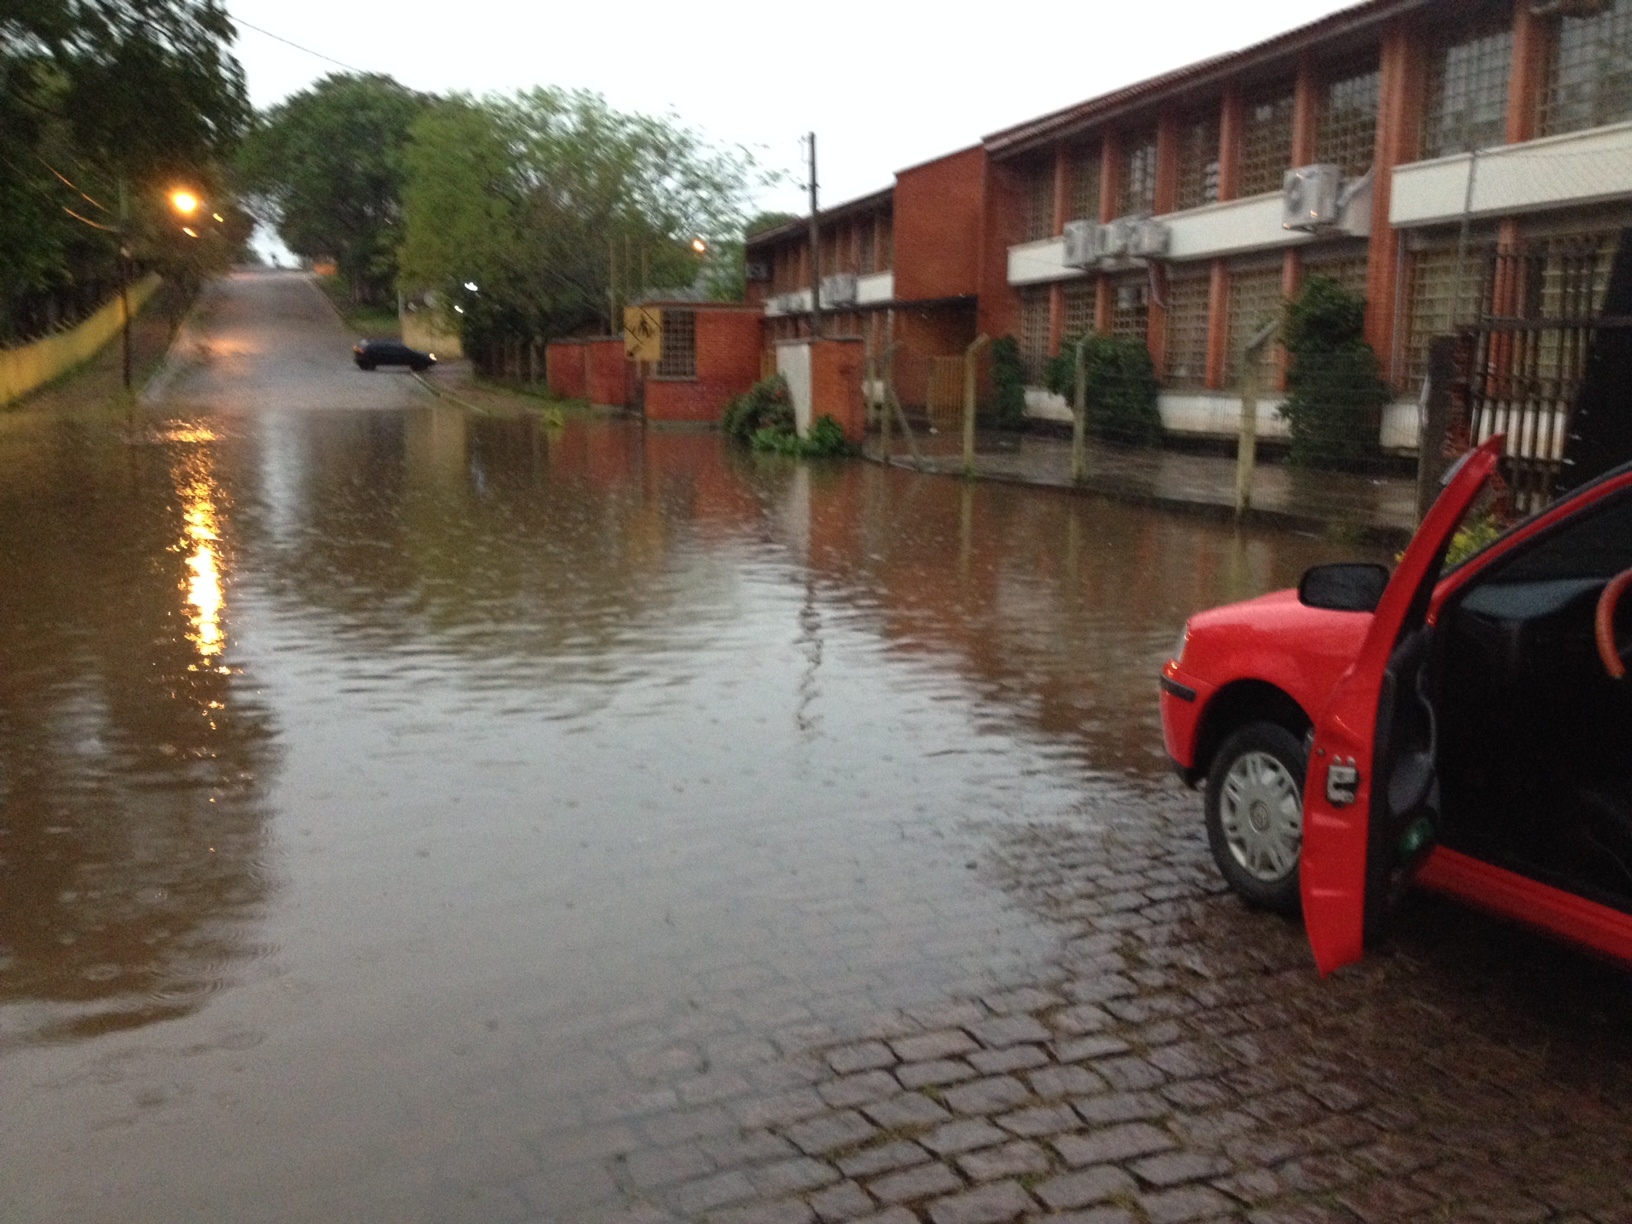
{"type": "Point", "coordinates": [884, 85]}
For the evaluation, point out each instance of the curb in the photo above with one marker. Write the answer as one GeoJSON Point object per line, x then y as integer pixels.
{"type": "Point", "coordinates": [439, 393]}
{"type": "Point", "coordinates": [1377, 534]}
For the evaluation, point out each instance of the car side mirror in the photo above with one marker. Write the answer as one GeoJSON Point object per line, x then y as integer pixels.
{"type": "Point", "coordinates": [1348, 586]}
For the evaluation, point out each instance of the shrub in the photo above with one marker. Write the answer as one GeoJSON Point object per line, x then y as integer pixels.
{"type": "Point", "coordinates": [826, 440]}
{"type": "Point", "coordinates": [1009, 381]}
{"type": "Point", "coordinates": [1121, 387]}
{"type": "Point", "coordinates": [1335, 392]}
{"type": "Point", "coordinates": [765, 405]}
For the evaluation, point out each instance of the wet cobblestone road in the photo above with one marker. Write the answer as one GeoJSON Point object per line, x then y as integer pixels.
{"type": "Point", "coordinates": [1178, 1060]}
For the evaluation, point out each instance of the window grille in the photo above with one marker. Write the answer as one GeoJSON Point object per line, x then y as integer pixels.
{"type": "Point", "coordinates": [1130, 306]}
{"type": "Point", "coordinates": [1033, 335]}
{"type": "Point", "coordinates": [1433, 312]}
{"type": "Point", "coordinates": [678, 358]}
{"type": "Point", "coordinates": [1254, 299]}
{"type": "Point", "coordinates": [1080, 298]}
{"type": "Point", "coordinates": [1085, 176]}
{"type": "Point", "coordinates": [1589, 74]}
{"type": "Point", "coordinates": [866, 246]}
{"type": "Point", "coordinates": [1039, 200]}
{"type": "Point", "coordinates": [1565, 278]}
{"type": "Point", "coordinates": [1350, 273]}
{"type": "Point", "coordinates": [1198, 160]}
{"type": "Point", "coordinates": [1346, 126]}
{"type": "Point", "coordinates": [1138, 186]}
{"type": "Point", "coordinates": [1467, 94]}
{"type": "Point", "coordinates": [1266, 143]}
{"type": "Point", "coordinates": [886, 243]}
{"type": "Point", "coordinates": [1187, 317]}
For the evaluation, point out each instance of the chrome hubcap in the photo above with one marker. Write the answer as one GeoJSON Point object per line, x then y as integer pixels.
{"type": "Point", "coordinates": [1261, 812]}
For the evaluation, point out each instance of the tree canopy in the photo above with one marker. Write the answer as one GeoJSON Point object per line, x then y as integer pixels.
{"type": "Point", "coordinates": [548, 199]}
{"type": "Point", "coordinates": [326, 169]}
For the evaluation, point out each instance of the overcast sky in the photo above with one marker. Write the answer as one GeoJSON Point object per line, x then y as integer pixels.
{"type": "Point", "coordinates": [884, 85]}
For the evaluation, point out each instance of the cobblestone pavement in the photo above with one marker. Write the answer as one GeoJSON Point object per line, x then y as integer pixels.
{"type": "Point", "coordinates": [1181, 1061]}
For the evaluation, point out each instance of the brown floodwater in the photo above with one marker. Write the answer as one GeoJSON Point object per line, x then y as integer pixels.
{"type": "Point", "coordinates": [386, 790]}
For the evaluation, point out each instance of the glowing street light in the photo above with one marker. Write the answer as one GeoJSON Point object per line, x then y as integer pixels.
{"type": "Point", "coordinates": [184, 201]}
{"type": "Point", "coordinates": [699, 245]}
{"type": "Point", "coordinates": [471, 285]}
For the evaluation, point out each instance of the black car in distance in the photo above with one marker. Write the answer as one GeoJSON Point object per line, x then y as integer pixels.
{"type": "Point", "coordinates": [371, 353]}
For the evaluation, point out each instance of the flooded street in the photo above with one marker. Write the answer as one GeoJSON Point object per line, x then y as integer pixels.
{"type": "Point", "coordinates": [417, 815]}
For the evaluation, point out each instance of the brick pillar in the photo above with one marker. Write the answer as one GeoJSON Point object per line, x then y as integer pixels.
{"type": "Point", "coordinates": [1305, 114]}
{"type": "Point", "coordinates": [1110, 174]}
{"type": "Point", "coordinates": [1524, 84]}
{"type": "Point", "coordinates": [1291, 282]}
{"type": "Point", "coordinates": [1218, 332]}
{"type": "Point", "coordinates": [1062, 189]}
{"type": "Point", "coordinates": [1398, 118]}
{"type": "Point", "coordinates": [1232, 115]}
{"type": "Point", "coordinates": [1056, 316]}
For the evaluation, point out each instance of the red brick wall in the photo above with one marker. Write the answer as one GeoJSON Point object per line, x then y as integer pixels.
{"type": "Point", "coordinates": [606, 372]}
{"type": "Point", "coordinates": [1004, 226]}
{"type": "Point", "coordinates": [728, 347]}
{"type": "Point", "coordinates": [564, 372]}
{"type": "Point", "coordinates": [937, 226]}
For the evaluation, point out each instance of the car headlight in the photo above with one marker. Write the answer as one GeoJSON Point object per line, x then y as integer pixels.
{"type": "Point", "coordinates": [1178, 647]}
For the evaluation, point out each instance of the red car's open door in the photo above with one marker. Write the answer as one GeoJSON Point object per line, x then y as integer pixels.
{"type": "Point", "coordinates": [1371, 793]}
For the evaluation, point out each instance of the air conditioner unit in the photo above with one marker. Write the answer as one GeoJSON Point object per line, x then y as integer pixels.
{"type": "Point", "coordinates": [758, 271]}
{"type": "Point", "coordinates": [1081, 244]}
{"type": "Point", "coordinates": [839, 289]}
{"type": "Point", "coordinates": [1150, 239]}
{"type": "Point", "coordinates": [1309, 197]}
{"type": "Point", "coordinates": [1116, 238]}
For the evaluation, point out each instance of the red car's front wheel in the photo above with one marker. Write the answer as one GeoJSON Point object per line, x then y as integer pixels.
{"type": "Point", "coordinates": [1254, 806]}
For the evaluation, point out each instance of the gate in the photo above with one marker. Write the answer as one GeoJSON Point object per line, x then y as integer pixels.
{"type": "Point", "coordinates": [1519, 372]}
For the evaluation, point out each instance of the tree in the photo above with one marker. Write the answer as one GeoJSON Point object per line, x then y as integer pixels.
{"type": "Point", "coordinates": [325, 168]}
{"type": "Point", "coordinates": [1121, 391]}
{"type": "Point", "coordinates": [725, 273]}
{"type": "Point", "coordinates": [533, 198]}
{"type": "Point", "coordinates": [103, 101]}
{"type": "Point", "coordinates": [1335, 391]}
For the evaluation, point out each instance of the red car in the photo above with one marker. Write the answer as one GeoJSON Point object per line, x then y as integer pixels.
{"type": "Point", "coordinates": [1466, 727]}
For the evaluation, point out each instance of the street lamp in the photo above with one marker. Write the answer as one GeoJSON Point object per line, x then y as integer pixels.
{"type": "Point", "coordinates": [184, 201]}
{"type": "Point", "coordinates": [700, 246]}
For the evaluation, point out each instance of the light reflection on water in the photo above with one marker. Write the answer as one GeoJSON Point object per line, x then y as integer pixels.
{"type": "Point", "coordinates": [530, 752]}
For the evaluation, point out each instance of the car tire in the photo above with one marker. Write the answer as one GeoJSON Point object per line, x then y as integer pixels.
{"type": "Point", "coordinates": [1254, 807]}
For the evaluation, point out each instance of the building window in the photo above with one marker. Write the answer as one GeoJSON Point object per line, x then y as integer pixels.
{"type": "Point", "coordinates": [1467, 94]}
{"type": "Point", "coordinates": [1080, 299]}
{"type": "Point", "coordinates": [1034, 332]}
{"type": "Point", "coordinates": [1187, 314]}
{"type": "Point", "coordinates": [679, 356]}
{"type": "Point", "coordinates": [1130, 306]}
{"type": "Point", "coordinates": [1438, 305]}
{"type": "Point", "coordinates": [886, 243]}
{"type": "Point", "coordinates": [1349, 273]}
{"type": "Point", "coordinates": [1085, 176]}
{"type": "Point", "coordinates": [1589, 76]}
{"type": "Point", "coordinates": [1266, 143]}
{"type": "Point", "coordinates": [1346, 127]}
{"type": "Point", "coordinates": [865, 244]}
{"type": "Point", "coordinates": [1255, 299]}
{"type": "Point", "coordinates": [1198, 160]}
{"type": "Point", "coordinates": [1038, 188]}
{"type": "Point", "coordinates": [1138, 185]}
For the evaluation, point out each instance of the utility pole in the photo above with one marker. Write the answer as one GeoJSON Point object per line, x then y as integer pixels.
{"type": "Point", "coordinates": [815, 251]}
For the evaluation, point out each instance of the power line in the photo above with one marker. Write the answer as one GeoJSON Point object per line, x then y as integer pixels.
{"type": "Point", "coordinates": [291, 43]}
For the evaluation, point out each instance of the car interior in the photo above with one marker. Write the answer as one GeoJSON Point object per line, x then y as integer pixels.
{"type": "Point", "coordinates": [1534, 737]}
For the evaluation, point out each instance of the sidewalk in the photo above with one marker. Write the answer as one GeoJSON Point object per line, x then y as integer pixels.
{"type": "Point", "coordinates": [1380, 510]}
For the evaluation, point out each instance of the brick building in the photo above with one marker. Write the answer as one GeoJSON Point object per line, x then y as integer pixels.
{"type": "Point", "coordinates": [1517, 113]}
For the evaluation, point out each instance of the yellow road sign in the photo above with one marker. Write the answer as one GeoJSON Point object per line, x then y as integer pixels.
{"type": "Point", "coordinates": [642, 333]}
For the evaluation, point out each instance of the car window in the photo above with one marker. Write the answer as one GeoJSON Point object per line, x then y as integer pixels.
{"type": "Point", "coordinates": [1594, 546]}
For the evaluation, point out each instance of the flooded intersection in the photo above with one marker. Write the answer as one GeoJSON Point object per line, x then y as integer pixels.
{"type": "Point", "coordinates": [418, 815]}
